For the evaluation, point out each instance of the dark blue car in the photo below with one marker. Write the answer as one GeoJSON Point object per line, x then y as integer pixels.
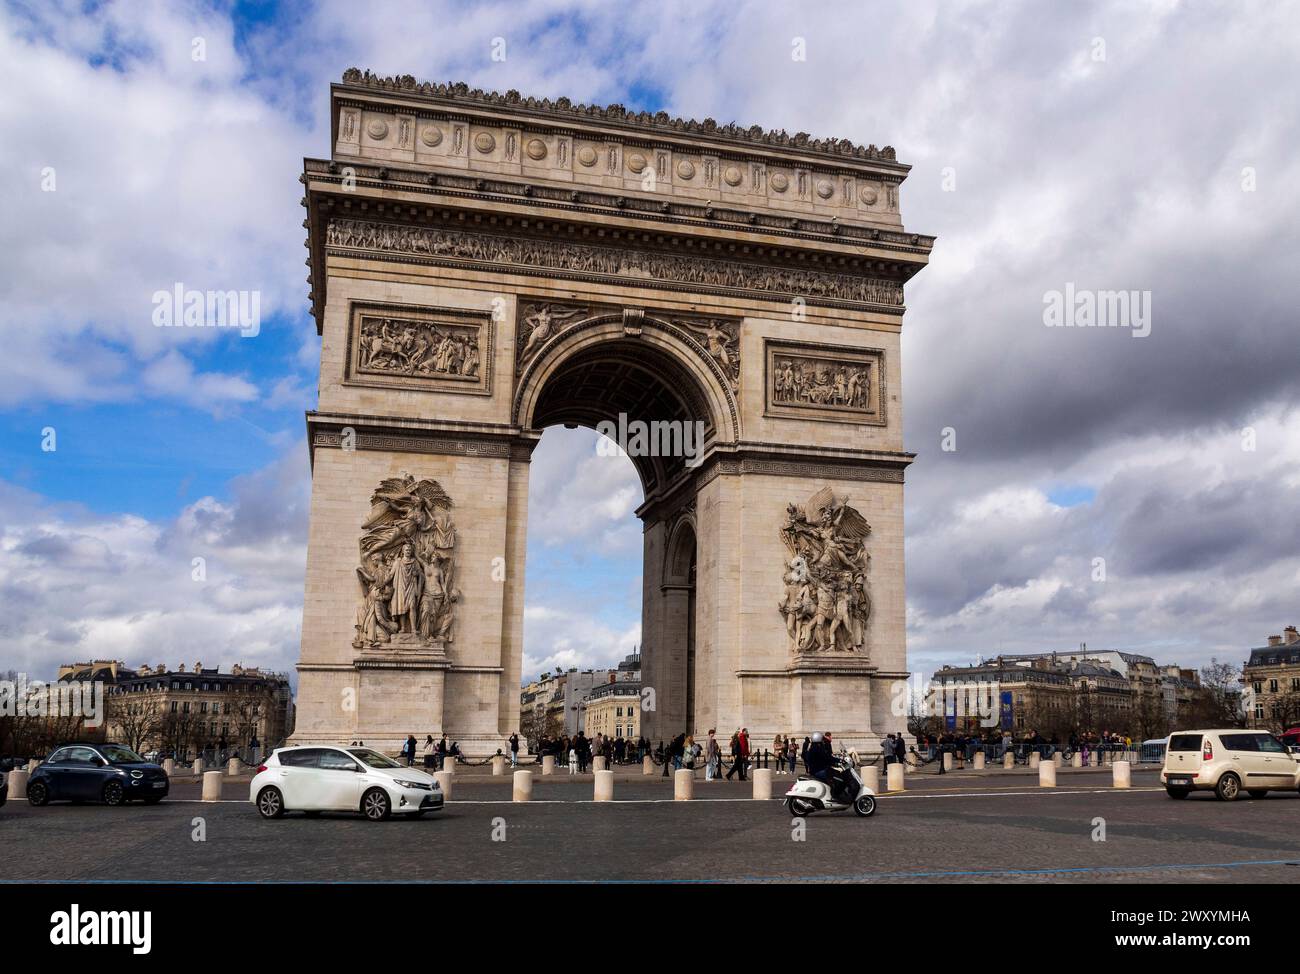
{"type": "Point", "coordinates": [108, 773]}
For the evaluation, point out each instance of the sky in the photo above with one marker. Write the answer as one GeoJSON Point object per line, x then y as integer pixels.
{"type": "Point", "coordinates": [1098, 485]}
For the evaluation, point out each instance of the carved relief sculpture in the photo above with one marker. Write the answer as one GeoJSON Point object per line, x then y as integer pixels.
{"type": "Point", "coordinates": [829, 382]}
{"type": "Point", "coordinates": [407, 570]}
{"type": "Point", "coordinates": [722, 340]}
{"type": "Point", "coordinates": [421, 348]}
{"type": "Point", "coordinates": [543, 321]}
{"type": "Point", "coordinates": [826, 603]}
{"type": "Point", "coordinates": [562, 257]}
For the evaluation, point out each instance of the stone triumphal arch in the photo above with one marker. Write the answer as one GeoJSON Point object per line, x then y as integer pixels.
{"type": "Point", "coordinates": [483, 266]}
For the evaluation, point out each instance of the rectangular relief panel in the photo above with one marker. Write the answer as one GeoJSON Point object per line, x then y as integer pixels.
{"type": "Point", "coordinates": [400, 346]}
{"type": "Point", "coordinates": [806, 380]}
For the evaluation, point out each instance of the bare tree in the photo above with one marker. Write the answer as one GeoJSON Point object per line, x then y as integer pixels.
{"type": "Point", "coordinates": [134, 723]}
{"type": "Point", "coordinates": [1219, 705]}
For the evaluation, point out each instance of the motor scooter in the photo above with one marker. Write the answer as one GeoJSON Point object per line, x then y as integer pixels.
{"type": "Point", "coordinates": [810, 794]}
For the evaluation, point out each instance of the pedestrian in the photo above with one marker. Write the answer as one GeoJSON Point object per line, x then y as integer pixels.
{"type": "Point", "coordinates": [514, 750]}
{"type": "Point", "coordinates": [442, 752]}
{"type": "Point", "coordinates": [887, 750]}
{"type": "Point", "coordinates": [430, 751]}
{"type": "Point", "coordinates": [573, 758]}
{"type": "Point", "coordinates": [900, 750]}
{"type": "Point", "coordinates": [712, 755]}
{"type": "Point", "coordinates": [409, 750]}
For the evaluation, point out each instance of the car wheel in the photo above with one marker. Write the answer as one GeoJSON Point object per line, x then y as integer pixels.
{"type": "Point", "coordinates": [1229, 788]}
{"type": "Point", "coordinates": [375, 805]}
{"type": "Point", "coordinates": [1258, 792]}
{"type": "Point", "coordinates": [38, 794]}
{"type": "Point", "coordinates": [114, 793]}
{"type": "Point", "coordinates": [270, 803]}
{"type": "Point", "coordinates": [865, 805]}
{"type": "Point", "coordinates": [1178, 792]}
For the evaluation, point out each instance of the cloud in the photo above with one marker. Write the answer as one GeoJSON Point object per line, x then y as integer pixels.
{"type": "Point", "coordinates": [78, 585]}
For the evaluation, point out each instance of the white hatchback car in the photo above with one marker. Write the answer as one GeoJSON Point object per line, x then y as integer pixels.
{"type": "Point", "coordinates": [1228, 762]}
{"type": "Point", "coordinates": [315, 779]}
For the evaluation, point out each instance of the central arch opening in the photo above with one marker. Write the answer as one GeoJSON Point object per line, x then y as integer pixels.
{"type": "Point", "coordinates": [583, 573]}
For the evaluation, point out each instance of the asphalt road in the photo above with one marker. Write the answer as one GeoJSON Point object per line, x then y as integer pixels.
{"type": "Point", "coordinates": [955, 828]}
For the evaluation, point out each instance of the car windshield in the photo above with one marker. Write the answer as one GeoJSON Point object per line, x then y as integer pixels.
{"type": "Point", "coordinates": [117, 754]}
{"type": "Point", "coordinates": [371, 758]}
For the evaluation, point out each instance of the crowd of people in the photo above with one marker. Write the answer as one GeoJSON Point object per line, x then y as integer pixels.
{"type": "Point", "coordinates": [996, 743]}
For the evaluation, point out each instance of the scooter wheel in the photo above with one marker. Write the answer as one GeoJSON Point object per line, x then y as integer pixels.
{"type": "Point", "coordinates": [865, 805]}
{"type": "Point", "coordinates": [799, 807]}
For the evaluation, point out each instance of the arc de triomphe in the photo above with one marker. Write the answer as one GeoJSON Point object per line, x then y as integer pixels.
{"type": "Point", "coordinates": [483, 266]}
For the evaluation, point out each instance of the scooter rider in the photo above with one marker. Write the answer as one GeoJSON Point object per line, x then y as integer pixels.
{"type": "Point", "coordinates": [819, 760]}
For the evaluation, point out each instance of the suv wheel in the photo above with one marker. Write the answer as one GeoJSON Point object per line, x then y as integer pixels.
{"type": "Point", "coordinates": [114, 793]}
{"type": "Point", "coordinates": [270, 803]}
{"type": "Point", "coordinates": [375, 805]}
{"type": "Point", "coordinates": [1229, 788]}
{"type": "Point", "coordinates": [38, 794]}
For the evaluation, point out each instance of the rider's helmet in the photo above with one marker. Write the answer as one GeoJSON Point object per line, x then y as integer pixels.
{"type": "Point", "coordinates": [817, 737]}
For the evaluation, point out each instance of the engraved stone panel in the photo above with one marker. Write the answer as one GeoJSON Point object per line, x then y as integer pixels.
{"type": "Point", "coordinates": [430, 349]}
{"type": "Point", "coordinates": [805, 381]}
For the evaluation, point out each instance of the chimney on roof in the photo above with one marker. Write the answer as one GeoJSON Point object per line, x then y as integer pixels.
{"type": "Point", "coordinates": [1275, 640]}
{"type": "Point", "coordinates": [1292, 636]}
{"type": "Point", "coordinates": [198, 667]}
{"type": "Point", "coordinates": [181, 668]}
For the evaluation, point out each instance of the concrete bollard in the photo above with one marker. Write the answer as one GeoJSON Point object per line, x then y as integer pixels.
{"type": "Point", "coordinates": [18, 784]}
{"type": "Point", "coordinates": [762, 784]}
{"type": "Point", "coordinates": [449, 765]}
{"type": "Point", "coordinates": [169, 767]}
{"type": "Point", "coordinates": [523, 786]}
{"type": "Point", "coordinates": [1095, 759]}
{"type": "Point", "coordinates": [1009, 759]}
{"type": "Point", "coordinates": [978, 764]}
{"type": "Point", "coordinates": [548, 765]}
{"type": "Point", "coordinates": [1035, 759]}
{"type": "Point", "coordinates": [1076, 760]}
{"type": "Point", "coordinates": [1058, 759]}
{"type": "Point", "coordinates": [499, 765]}
{"type": "Point", "coordinates": [445, 780]}
{"type": "Point", "coordinates": [598, 763]}
{"type": "Point", "coordinates": [894, 777]}
{"type": "Point", "coordinates": [198, 767]}
{"type": "Point", "coordinates": [683, 785]}
{"type": "Point", "coordinates": [1122, 774]}
{"type": "Point", "coordinates": [947, 761]}
{"type": "Point", "coordinates": [870, 777]}
{"type": "Point", "coordinates": [1047, 774]}
{"type": "Point", "coordinates": [212, 786]}
{"type": "Point", "coordinates": [234, 766]}
{"type": "Point", "coordinates": [647, 765]}
{"type": "Point", "coordinates": [604, 787]}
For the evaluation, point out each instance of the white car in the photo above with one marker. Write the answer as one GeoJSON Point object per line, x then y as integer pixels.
{"type": "Point", "coordinates": [315, 779]}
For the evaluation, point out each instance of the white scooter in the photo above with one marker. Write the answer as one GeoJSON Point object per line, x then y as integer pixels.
{"type": "Point", "coordinates": [810, 794]}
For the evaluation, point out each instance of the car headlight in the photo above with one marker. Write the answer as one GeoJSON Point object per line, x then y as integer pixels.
{"type": "Point", "coordinates": [418, 785]}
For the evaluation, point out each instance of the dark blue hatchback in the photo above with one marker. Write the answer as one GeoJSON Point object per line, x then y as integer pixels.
{"type": "Point", "coordinates": [109, 773]}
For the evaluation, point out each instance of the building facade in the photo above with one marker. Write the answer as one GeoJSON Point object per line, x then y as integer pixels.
{"type": "Point", "coordinates": [1272, 683]}
{"type": "Point", "coordinates": [613, 709]}
{"type": "Point", "coordinates": [183, 710]}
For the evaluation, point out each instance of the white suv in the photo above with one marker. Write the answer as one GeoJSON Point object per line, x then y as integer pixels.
{"type": "Point", "coordinates": [1228, 762]}
{"type": "Point", "coordinates": [315, 779]}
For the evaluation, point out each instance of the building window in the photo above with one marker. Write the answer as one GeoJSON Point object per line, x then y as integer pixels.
{"type": "Point", "coordinates": [186, 707]}
{"type": "Point", "coordinates": [173, 706]}
{"type": "Point", "coordinates": [1257, 686]}
{"type": "Point", "coordinates": [1272, 686]}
